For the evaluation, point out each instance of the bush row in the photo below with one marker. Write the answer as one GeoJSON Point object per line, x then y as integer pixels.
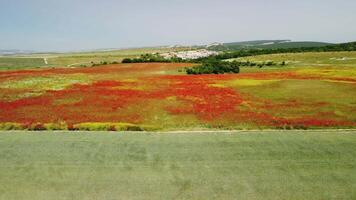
{"type": "Point", "coordinates": [259, 64]}
{"type": "Point", "coordinates": [93, 64]}
{"type": "Point", "coordinates": [88, 126]}
{"type": "Point", "coordinates": [147, 58]}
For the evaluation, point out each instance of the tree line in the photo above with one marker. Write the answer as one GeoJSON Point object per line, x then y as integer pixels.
{"type": "Point", "coordinates": [242, 53]}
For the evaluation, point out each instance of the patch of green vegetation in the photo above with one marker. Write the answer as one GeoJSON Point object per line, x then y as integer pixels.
{"type": "Point", "coordinates": [55, 126]}
{"type": "Point", "coordinates": [339, 98]}
{"type": "Point", "coordinates": [67, 101]}
{"type": "Point", "coordinates": [35, 86]}
{"type": "Point", "coordinates": [45, 82]}
{"type": "Point", "coordinates": [153, 113]}
{"type": "Point", "coordinates": [305, 90]}
{"type": "Point", "coordinates": [248, 165]}
{"type": "Point", "coordinates": [7, 63]}
{"type": "Point", "coordinates": [332, 72]}
{"type": "Point", "coordinates": [247, 82]}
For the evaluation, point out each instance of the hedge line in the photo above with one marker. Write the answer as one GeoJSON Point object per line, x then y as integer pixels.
{"type": "Point", "coordinates": [88, 126]}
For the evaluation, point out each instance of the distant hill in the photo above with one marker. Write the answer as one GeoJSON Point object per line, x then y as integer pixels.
{"type": "Point", "coordinates": [255, 43]}
{"type": "Point", "coordinates": [266, 44]}
{"type": "Point", "coordinates": [8, 52]}
{"type": "Point", "coordinates": [349, 46]}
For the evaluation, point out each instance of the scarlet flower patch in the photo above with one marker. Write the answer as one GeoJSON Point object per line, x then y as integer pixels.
{"type": "Point", "coordinates": [114, 91]}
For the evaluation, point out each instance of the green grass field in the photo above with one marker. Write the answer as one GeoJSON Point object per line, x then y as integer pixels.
{"type": "Point", "coordinates": [308, 59]}
{"type": "Point", "coordinates": [241, 165]}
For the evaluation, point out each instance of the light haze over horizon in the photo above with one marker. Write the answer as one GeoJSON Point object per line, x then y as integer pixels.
{"type": "Point", "coordinates": [69, 25]}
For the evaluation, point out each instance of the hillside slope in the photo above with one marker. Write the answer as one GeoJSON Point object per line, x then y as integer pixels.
{"type": "Point", "coordinates": [267, 44]}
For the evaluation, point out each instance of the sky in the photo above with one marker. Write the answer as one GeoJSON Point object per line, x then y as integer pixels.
{"type": "Point", "coordinates": [67, 25]}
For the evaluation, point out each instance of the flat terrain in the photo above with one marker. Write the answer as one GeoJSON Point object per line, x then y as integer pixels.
{"type": "Point", "coordinates": [240, 165]}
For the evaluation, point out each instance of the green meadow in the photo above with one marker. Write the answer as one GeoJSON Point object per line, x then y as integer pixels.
{"type": "Point", "coordinates": [197, 165]}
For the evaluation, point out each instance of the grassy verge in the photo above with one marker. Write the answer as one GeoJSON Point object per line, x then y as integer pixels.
{"type": "Point", "coordinates": [245, 165]}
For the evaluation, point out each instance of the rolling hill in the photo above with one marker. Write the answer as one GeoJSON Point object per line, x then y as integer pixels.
{"type": "Point", "coordinates": [266, 44]}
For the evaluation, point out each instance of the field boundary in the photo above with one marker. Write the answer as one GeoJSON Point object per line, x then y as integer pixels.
{"type": "Point", "coordinates": [188, 132]}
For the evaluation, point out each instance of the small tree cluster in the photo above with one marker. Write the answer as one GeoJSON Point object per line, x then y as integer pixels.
{"type": "Point", "coordinates": [213, 66]}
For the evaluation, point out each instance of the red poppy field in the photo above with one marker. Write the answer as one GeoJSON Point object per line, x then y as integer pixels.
{"type": "Point", "coordinates": [158, 96]}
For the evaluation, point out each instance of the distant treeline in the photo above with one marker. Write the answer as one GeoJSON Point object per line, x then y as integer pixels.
{"type": "Point", "coordinates": [146, 58]}
{"type": "Point", "coordinates": [253, 52]}
{"type": "Point", "coordinates": [242, 53]}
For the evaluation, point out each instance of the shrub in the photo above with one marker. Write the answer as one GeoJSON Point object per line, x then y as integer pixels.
{"type": "Point", "coordinates": [10, 126]}
{"type": "Point", "coordinates": [56, 126]}
{"type": "Point", "coordinates": [112, 128]}
{"type": "Point", "coordinates": [71, 127]}
{"type": "Point", "coordinates": [134, 128]}
{"type": "Point", "coordinates": [126, 60]}
{"type": "Point", "coordinates": [32, 126]}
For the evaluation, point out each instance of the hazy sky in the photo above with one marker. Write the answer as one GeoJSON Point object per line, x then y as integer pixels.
{"type": "Point", "coordinates": [89, 24]}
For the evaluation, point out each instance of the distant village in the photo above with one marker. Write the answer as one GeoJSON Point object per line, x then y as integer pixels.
{"type": "Point", "coordinates": [193, 54]}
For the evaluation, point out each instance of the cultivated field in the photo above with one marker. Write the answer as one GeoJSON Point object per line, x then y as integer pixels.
{"type": "Point", "coordinates": [314, 93]}
{"type": "Point", "coordinates": [246, 165]}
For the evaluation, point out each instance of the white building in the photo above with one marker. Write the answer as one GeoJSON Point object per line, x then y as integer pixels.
{"type": "Point", "coordinates": [194, 54]}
